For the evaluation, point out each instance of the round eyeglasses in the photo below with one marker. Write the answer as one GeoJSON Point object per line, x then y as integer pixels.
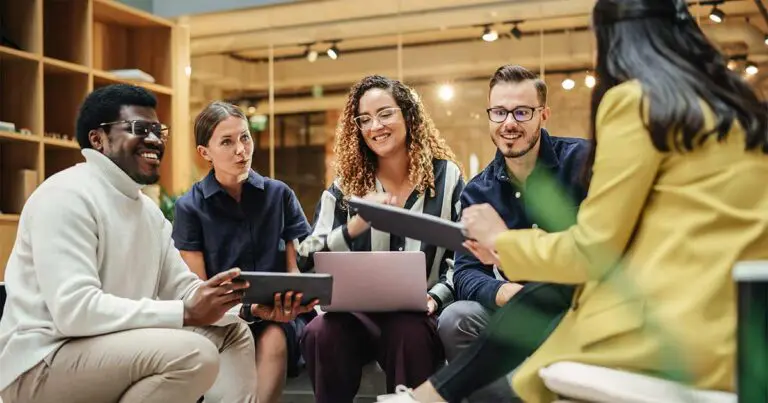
{"type": "Point", "coordinates": [385, 117]}
{"type": "Point", "coordinates": [521, 114]}
{"type": "Point", "coordinates": [143, 128]}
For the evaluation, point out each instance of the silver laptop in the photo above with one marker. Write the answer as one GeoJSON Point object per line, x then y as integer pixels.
{"type": "Point", "coordinates": [375, 281]}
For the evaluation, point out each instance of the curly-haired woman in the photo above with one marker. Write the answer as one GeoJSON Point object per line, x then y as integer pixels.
{"type": "Point", "coordinates": [387, 150]}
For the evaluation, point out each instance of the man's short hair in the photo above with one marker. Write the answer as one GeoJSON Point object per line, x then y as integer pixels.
{"type": "Point", "coordinates": [103, 106]}
{"type": "Point", "coordinates": [515, 74]}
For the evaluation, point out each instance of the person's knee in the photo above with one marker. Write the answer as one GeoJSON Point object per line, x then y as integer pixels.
{"type": "Point", "coordinates": [321, 330]}
{"type": "Point", "coordinates": [200, 363]}
{"type": "Point", "coordinates": [272, 343]}
{"type": "Point", "coordinates": [461, 320]}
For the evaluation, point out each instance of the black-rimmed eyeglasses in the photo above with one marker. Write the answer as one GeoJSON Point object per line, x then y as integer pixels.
{"type": "Point", "coordinates": [143, 128]}
{"type": "Point", "coordinates": [521, 114]}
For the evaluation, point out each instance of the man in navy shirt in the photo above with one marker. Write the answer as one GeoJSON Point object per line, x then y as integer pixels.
{"type": "Point", "coordinates": [535, 181]}
{"type": "Point", "coordinates": [235, 217]}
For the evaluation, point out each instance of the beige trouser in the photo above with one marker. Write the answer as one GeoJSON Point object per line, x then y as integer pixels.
{"type": "Point", "coordinates": [145, 365]}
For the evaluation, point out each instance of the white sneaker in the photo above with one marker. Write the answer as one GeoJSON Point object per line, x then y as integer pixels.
{"type": "Point", "coordinates": [401, 395]}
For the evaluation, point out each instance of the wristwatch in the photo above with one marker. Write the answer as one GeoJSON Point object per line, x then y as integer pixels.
{"type": "Point", "coordinates": [247, 315]}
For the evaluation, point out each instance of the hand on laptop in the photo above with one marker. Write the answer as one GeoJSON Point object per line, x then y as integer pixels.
{"type": "Point", "coordinates": [431, 305]}
{"type": "Point", "coordinates": [357, 225]}
{"type": "Point", "coordinates": [214, 298]}
{"type": "Point", "coordinates": [283, 310]}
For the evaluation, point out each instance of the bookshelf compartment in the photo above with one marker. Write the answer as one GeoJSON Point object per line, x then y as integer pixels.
{"type": "Point", "coordinates": [59, 158]}
{"type": "Point", "coordinates": [65, 30]}
{"type": "Point", "coordinates": [64, 92]}
{"type": "Point", "coordinates": [20, 166]}
{"type": "Point", "coordinates": [20, 93]}
{"type": "Point", "coordinates": [118, 46]}
{"type": "Point", "coordinates": [20, 25]}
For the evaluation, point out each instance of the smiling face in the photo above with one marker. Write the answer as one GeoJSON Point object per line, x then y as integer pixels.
{"type": "Point", "coordinates": [381, 123]}
{"type": "Point", "coordinates": [138, 156]}
{"type": "Point", "coordinates": [230, 149]}
{"type": "Point", "coordinates": [515, 139]}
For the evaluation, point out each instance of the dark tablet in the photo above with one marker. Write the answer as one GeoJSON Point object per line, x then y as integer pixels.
{"type": "Point", "coordinates": [399, 221]}
{"type": "Point", "coordinates": [264, 285]}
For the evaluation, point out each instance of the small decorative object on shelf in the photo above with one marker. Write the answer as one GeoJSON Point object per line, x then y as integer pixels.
{"type": "Point", "coordinates": [7, 126]}
{"type": "Point", "coordinates": [25, 131]}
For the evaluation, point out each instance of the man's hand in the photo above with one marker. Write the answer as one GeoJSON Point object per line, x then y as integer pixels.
{"type": "Point", "coordinates": [483, 224]}
{"type": "Point", "coordinates": [214, 298]}
{"type": "Point", "coordinates": [283, 311]}
{"type": "Point", "coordinates": [431, 305]}
{"type": "Point", "coordinates": [506, 292]}
{"type": "Point", "coordinates": [483, 254]}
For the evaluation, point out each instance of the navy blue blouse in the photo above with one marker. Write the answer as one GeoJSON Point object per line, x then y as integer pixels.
{"type": "Point", "coordinates": [250, 235]}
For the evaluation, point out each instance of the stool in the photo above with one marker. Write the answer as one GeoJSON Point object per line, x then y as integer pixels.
{"type": "Point", "coordinates": [581, 382]}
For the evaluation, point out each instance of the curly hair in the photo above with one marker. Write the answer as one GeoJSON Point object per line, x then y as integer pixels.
{"type": "Point", "coordinates": [356, 163]}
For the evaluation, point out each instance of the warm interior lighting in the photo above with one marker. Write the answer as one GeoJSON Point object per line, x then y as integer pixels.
{"type": "Point", "coordinates": [333, 52]}
{"type": "Point", "coordinates": [751, 69]}
{"type": "Point", "coordinates": [590, 80]}
{"type": "Point", "coordinates": [569, 84]}
{"type": "Point", "coordinates": [716, 15]}
{"type": "Point", "coordinates": [445, 92]}
{"type": "Point", "coordinates": [490, 35]}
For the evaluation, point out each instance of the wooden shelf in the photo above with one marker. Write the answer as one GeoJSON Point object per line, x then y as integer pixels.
{"type": "Point", "coordinates": [113, 12]}
{"type": "Point", "coordinates": [11, 52]}
{"type": "Point", "coordinates": [51, 142]}
{"type": "Point", "coordinates": [10, 217]}
{"type": "Point", "coordinates": [11, 136]}
{"type": "Point", "coordinates": [103, 78]}
{"type": "Point", "coordinates": [63, 67]}
{"type": "Point", "coordinates": [61, 51]}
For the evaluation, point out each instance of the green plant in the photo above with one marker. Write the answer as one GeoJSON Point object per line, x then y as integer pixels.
{"type": "Point", "coordinates": [167, 204]}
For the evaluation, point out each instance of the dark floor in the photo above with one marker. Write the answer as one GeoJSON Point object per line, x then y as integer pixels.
{"type": "Point", "coordinates": [299, 390]}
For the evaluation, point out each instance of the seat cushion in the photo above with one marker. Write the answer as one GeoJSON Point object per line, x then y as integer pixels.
{"type": "Point", "coordinates": [595, 384]}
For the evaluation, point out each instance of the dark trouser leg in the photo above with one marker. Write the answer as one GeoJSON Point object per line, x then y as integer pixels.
{"type": "Point", "coordinates": [336, 346]}
{"type": "Point", "coordinates": [460, 324]}
{"type": "Point", "coordinates": [409, 347]}
{"type": "Point", "coordinates": [514, 333]}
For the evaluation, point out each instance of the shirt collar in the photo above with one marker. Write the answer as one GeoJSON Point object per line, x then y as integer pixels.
{"type": "Point", "coordinates": [547, 157]}
{"type": "Point", "coordinates": [211, 186]}
{"type": "Point", "coordinates": [112, 173]}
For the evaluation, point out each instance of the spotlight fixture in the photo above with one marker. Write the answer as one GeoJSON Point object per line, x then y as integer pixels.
{"type": "Point", "coordinates": [310, 54]}
{"type": "Point", "coordinates": [516, 32]}
{"type": "Point", "coordinates": [716, 15]}
{"type": "Point", "coordinates": [732, 64]}
{"type": "Point", "coordinates": [590, 81]}
{"type": "Point", "coordinates": [568, 84]}
{"type": "Point", "coordinates": [490, 35]}
{"type": "Point", "coordinates": [333, 52]}
{"type": "Point", "coordinates": [751, 69]}
{"type": "Point", "coordinates": [766, 39]}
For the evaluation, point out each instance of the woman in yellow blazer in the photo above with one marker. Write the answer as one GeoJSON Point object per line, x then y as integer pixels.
{"type": "Point", "coordinates": [678, 195]}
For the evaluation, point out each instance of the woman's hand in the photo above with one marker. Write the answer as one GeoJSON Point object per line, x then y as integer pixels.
{"type": "Point", "coordinates": [484, 255]}
{"type": "Point", "coordinates": [357, 225]}
{"type": "Point", "coordinates": [431, 305]}
{"type": "Point", "coordinates": [483, 224]}
{"type": "Point", "coordinates": [283, 311]}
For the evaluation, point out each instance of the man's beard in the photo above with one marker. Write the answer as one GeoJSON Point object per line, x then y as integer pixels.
{"type": "Point", "coordinates": [511, 153]}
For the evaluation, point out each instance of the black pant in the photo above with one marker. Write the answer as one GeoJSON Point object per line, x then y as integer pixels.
{"type": "Point", "coordinates": [513, 334]}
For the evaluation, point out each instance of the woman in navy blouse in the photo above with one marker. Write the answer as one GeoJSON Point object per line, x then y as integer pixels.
{"type": "Point", "coordinates": [235, 217]}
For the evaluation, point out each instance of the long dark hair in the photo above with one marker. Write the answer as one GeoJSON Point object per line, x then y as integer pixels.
{"type": "Point", "coordinates": [658, 43]}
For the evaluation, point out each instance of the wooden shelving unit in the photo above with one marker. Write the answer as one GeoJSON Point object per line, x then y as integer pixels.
{"type": "Point", "coordinates": [55, 52]}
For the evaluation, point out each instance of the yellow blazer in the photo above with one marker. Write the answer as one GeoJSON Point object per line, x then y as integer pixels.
{"type": "Point", "coordinates": [652, 252]}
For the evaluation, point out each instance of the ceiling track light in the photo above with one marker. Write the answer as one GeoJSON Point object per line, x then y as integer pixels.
{"type": "Point", "coordinates": [516, 32]}
{"type": "Point", "coordinates": [333, 51]}
{"type": "Point", "coordinates": [717, 15]}
{"type": "Point", "coordinates": [751, 69]}
{"type": "Point", "coordinates": [490, 35]}
{"type": "Point", "coordinates": [310, 54]}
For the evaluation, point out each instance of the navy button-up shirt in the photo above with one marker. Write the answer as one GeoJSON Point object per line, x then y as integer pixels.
{"type": "Point", "coordinates": [250, 235]}
{"type": "Point", "coordinates": [549, 200]}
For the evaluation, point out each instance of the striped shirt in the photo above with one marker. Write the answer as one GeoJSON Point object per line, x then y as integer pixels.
{"type": "Point", "coordinates": [329, 231]}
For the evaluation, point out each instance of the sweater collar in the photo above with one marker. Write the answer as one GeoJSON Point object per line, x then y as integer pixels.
{"type": "Point", "coordinates": [112, 173]}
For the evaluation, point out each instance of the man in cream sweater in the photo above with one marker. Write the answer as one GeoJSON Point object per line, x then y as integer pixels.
{"type": "Point", "coordinates": [101, 307]}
